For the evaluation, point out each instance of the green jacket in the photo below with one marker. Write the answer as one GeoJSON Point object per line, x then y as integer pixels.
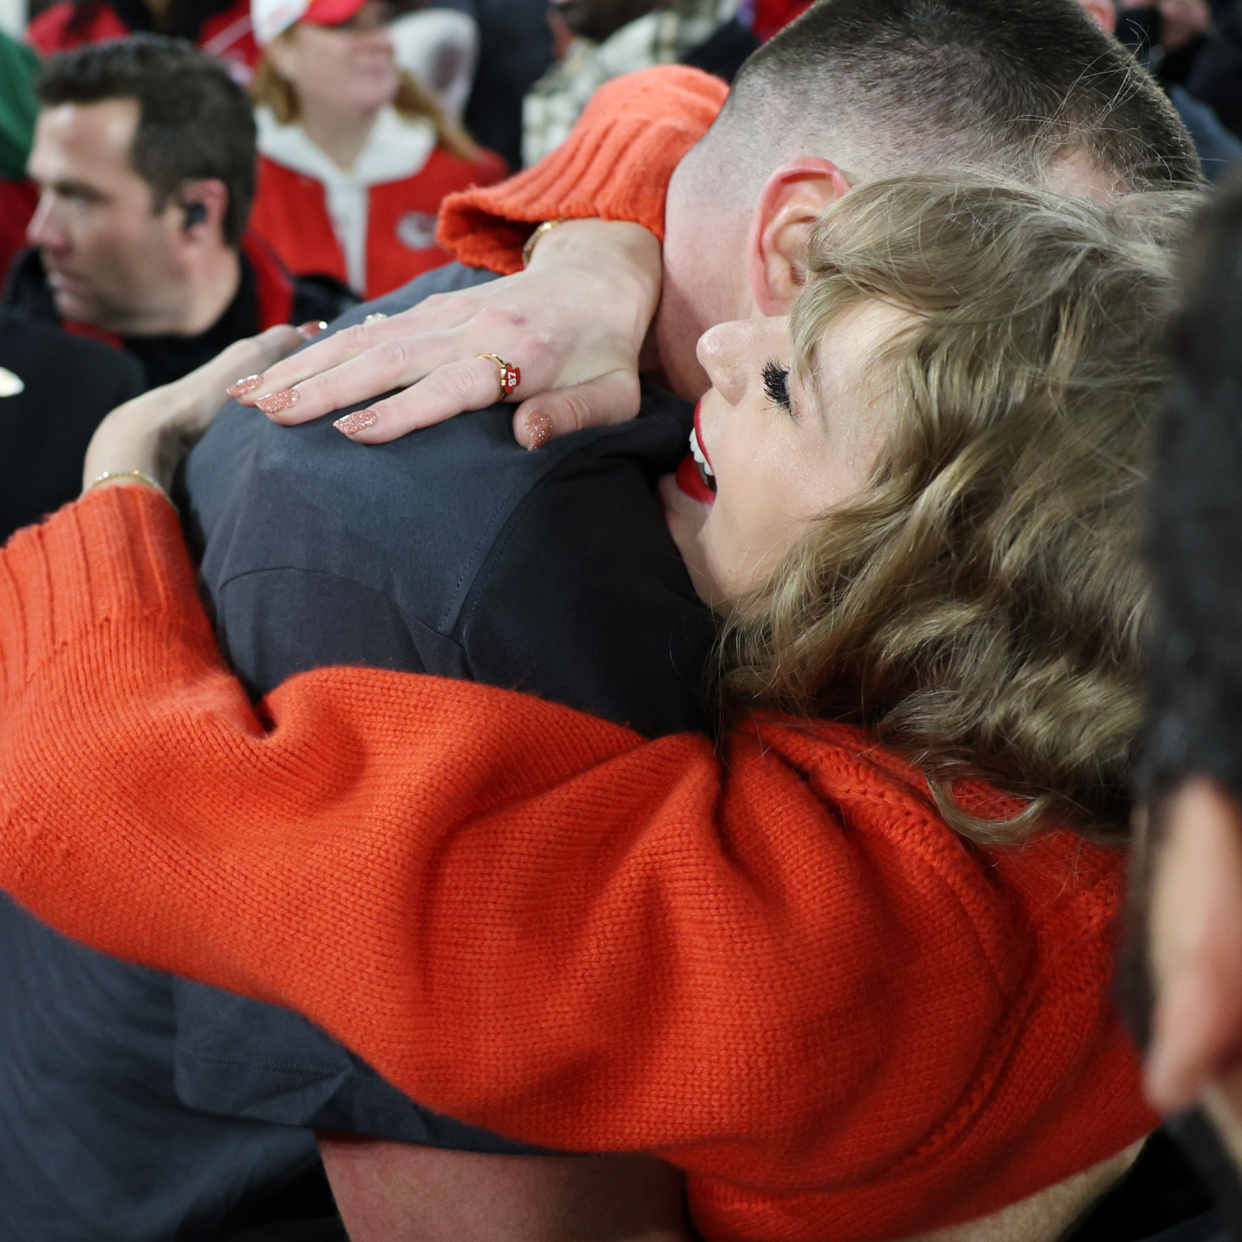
{"type": "Point", "coordinates": [18, 68]}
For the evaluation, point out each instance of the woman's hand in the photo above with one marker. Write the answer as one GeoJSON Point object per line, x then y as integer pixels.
{"type": "Point", "coordinates": [574, 323]}
{"type": "Point", "coordinates": [153, 432]}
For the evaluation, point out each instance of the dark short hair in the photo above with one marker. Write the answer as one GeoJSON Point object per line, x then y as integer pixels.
{"type": "Point", "coordinates": [1005, 84]}
{"type": "Point", "coordinates": [194, 121]}
{"type": "Point", "coordinates": [1195, 528]}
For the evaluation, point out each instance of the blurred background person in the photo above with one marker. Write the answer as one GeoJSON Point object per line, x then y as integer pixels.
{"type": "Point", "coordinates": [1215, 76]}
{"type": "Point", "coordinates": [602, 39]}
{"type": "Point", "coordinates": [54, 388]}
{"type": "Point", "coordinates": [515, 49]}
{"type": "Point", "coordinates": [1187, 898]}
{"type": "Point", "coordinates": [440, 48]}
{"type": "Point", "coordinates": [144, 156]}
{"type": "Point", "coordinates": [355, 155]}
{"type": "Point", "coordinates": [1168, 35]}
{"type": "Point", "coordinates": [54, 391]}
{"type": "Point", "coordinates": [1166, 39]}
{"type": "Point", "coordinates": [220, 27]}
{"type": "Point", "coordinates": [18, 107]}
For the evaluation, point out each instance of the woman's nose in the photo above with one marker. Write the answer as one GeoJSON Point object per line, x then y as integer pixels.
{"type": "Point", "coordinates": [722, 354]}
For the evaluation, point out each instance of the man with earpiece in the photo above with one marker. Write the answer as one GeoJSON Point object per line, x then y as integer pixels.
{"type": "Point", "coordinates": [144, 154]}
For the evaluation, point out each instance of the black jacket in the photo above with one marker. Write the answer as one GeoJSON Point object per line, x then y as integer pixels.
{"type": "Point", "coordinates": [54, 391]}
{"type": "Point", "coordinates": [266, 295]}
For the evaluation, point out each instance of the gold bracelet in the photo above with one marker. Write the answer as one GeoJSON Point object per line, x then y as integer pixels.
{"type": "Point", "coordinates": [140, 475]}
{"type": "Point", "coordinates": [533, 240]}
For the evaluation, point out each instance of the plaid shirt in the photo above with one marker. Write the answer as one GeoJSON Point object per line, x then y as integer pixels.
{"type": "Point", "coordinates": [661, 37]}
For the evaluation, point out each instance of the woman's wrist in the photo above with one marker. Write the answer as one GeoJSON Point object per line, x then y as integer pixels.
{"type": "Point", "coordinates": [624, 257]}
{"type": "Point", "coordinates": [115, 478]}
{"type": "Point", "coordinates": [123, 451]}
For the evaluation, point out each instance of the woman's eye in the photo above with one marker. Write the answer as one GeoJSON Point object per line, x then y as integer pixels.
{"type": "Point", "coordinates": [776, 384]}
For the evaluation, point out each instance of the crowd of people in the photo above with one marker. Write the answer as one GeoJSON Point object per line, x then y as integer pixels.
{"type": "Point", "coordinates": [619, 621]}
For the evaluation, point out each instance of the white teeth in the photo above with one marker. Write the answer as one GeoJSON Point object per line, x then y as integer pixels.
{"type": "Point", "coordinates": [698, 454]}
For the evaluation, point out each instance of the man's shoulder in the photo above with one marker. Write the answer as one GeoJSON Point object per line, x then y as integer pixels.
{"type": "Point", "coordinates": [26, 289]}
{"type": "Point", "coordinates": [52, 364]}
{"type": "Point", "coordinates": [417, 519]}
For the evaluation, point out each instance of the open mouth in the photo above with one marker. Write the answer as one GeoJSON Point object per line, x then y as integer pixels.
{"type": "Point", "coordinates": [706, 476]}
{"type": "Point", "coordinates": [695, 476]}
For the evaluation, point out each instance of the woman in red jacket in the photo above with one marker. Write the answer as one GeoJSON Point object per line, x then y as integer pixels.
{"type": "Point", "coordinates": [852, 977]}
{"type": "Point", "coordinates": [354, 156]}
{"type": "Point", "coordinates": [220, 27]}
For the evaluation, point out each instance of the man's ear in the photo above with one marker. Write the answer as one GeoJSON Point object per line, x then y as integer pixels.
{"type": "Point", "coordinates": [792, 199]}
{"type": "Point", "coordinates": [1195, 946]}
{"type": "Point", "coordinates": [202, 206]}
{"type": "Point", "coordinates": [1102, 13]}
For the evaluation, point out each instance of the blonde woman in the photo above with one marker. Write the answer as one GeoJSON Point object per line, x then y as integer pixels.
{"type": "Point", "coordinates": [849, 969]}
{"type": "Point", "coordinates": [354, 155]}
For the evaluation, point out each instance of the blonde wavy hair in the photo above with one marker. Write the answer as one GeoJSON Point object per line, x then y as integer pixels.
{"type": "Point", "coordinates": [271, 89]}
{"type": "Point", "coordinates": [981, 608]}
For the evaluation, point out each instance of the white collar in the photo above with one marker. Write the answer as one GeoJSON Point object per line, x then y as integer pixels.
{"type": "Point", "coordinates": [397, 147]}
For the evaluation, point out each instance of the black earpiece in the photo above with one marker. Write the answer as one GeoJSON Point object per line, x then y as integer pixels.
{"type": "Point", "coordinates": [195, 213]}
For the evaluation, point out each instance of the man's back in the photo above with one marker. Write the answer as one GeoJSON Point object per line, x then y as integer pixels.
{"type": "Point", "coordinates": [456, 552]}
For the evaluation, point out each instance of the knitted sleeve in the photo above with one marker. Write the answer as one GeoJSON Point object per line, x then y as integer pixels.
{"type": "Point", "coordinates": [616, 165]}
{"type": "Point", "coordinates": [776, 967]}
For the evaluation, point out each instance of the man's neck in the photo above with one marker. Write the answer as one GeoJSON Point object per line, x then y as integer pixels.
{"type": "Point", "coordinates": [700, 290]}
{"type": "Point", "coordinates": [212, 286]}
{"type": "Point", "coordinates": [705, 282]}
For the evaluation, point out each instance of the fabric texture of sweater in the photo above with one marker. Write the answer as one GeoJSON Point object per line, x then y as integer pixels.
{"type": "Point", "coordinates": [775, 966]}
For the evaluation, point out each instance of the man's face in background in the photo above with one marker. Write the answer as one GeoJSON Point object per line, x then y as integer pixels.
{"type": "Point", "coordinates": [110, 258]}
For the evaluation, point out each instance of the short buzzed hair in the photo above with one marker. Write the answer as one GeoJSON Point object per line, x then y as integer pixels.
{"type": "Point", "coordinates": [194, 121]}
{"type": "Point", "coordinates": [926, 85]}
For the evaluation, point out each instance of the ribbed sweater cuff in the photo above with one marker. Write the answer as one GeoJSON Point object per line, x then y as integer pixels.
{"type": "Point", "coordinates": [108, 562]}
{"type": "Point", "coordinates": [615, 165]}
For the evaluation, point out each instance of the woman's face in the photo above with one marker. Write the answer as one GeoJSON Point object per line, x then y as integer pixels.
{"type": "Point", "coordinates": [779, 453]}
{"type": "Point", "coordinates": [349, 66]}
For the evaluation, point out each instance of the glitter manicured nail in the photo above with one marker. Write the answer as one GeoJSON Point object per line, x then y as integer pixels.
{"type": "Point", "coordinates": [358, 421]}
{"type": "Point", "coordinates": [243, 386]}
{"type": "Point", "coordinates": [312, 328]}
{"type": "Point", "coordinates": [539, 428]}
{"type": "Point", "coordinates": [281, 399]}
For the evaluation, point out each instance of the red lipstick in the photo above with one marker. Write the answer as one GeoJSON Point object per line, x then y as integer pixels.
{"type": "Point", "coordinates": [690, 482]}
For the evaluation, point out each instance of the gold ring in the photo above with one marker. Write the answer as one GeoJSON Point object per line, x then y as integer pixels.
{"type": "Point", "coordinates": [510, 376]}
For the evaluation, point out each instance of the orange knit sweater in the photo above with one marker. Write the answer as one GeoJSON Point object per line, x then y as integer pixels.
{"type": "Point", "coordinates": [615, 165]}
{"type": "Point", "coordinates": [776, 967]}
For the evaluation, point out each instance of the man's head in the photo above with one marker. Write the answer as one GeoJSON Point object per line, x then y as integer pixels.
{"type": "Point", "coordinates": [145, 154]}
{"type": "Point", "coordinates": [858, 89]}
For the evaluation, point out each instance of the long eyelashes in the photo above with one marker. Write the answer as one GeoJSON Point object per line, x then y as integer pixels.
{"type": "Point", "coordinates": [776, 384]}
